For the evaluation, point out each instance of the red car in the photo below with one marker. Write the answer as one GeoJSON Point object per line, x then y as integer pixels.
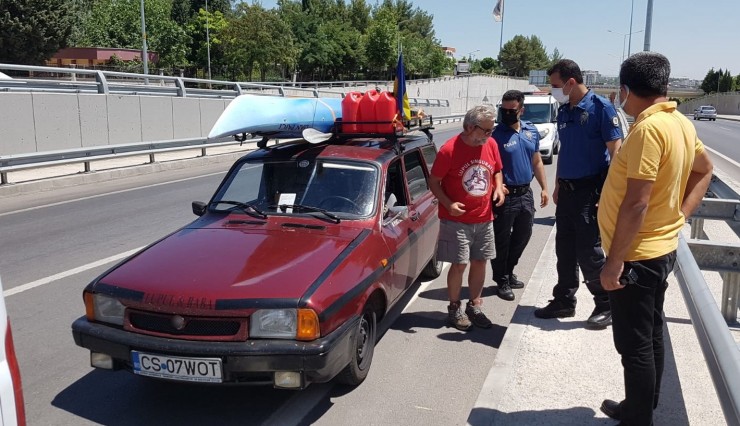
{"type": "Point", "coordinates": [284, 276]}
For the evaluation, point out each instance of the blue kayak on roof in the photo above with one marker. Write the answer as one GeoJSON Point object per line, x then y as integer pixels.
{"type": "Point", "coordinates": [277, 116]}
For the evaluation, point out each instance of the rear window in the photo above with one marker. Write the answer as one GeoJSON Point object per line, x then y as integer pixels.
{"type": "Point", "coordinates": [707, 108]}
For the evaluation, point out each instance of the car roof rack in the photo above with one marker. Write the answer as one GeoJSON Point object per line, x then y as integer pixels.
{"type": "Point", "coordinates": [400, 129]}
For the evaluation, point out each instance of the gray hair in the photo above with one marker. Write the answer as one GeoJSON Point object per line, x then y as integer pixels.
{"type": "Point", "coordinates": [477, 114]}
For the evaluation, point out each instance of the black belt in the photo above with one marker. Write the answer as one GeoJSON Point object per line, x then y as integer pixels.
{"type": "Point", "coordinates": [581, 183]}
{"type": "Point", "coordinates": [515, 190]}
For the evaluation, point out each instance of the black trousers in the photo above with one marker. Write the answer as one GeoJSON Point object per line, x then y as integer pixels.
{"type": "Point", "coordinates": [578, 243]}
{"type": "Point", "coordinates": [512, 229]}
{"type": "Point", "coordinates": [637, 315]}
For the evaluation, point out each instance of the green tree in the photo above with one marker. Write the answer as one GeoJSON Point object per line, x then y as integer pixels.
{"type": "Point", "coordinates": [736, 83]}
{"type": "Point", "coordinates": [380, 40]}
{"type": "Point", "coordinates": [31, 31]}
{"type": "Point", "coordinates": [522, 54]}
{"type": "Point", "coordinates": [200, 40]}
{"type": "Point", "coordinates": [487, 64]}
{"type": "Point", "coordinates": [117, 23]}
{"type": "Point", "coordinates": [555, 57]}
{"type": "Point", "coordinates": [256, 39]}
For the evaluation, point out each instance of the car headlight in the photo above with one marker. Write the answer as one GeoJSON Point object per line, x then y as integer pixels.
{"type": "Point", "coordinates": [543, 133]}
{"type": "Point", "coordinates": [299, 324]}
{"type": "Point", "coordinates": [100, 307]}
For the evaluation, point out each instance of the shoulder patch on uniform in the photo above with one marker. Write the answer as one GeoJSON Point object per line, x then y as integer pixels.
{"type": "Point", "coordinates": [615, 121]}
{"type": "Point", "coordinates": [528, 134]}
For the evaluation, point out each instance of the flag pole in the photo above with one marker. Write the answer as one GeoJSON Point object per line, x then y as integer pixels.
{"type": "Point", "coordinates": [501, 37]}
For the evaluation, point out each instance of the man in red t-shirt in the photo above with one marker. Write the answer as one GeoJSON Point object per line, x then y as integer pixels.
{"type": "Point", "coordinates": [466, 178]}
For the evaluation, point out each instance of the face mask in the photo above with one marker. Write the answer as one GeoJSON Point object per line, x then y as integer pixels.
{"type": "Point", "coordinates": [557, 93]}
{"type": "Point", "coordinates": [624, 102]}
{"type": "Point", "coordinates": [509, 116]}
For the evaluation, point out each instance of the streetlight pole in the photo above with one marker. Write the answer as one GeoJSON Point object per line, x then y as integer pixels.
{"type": "Point", "coordinates": [144, 54]}
{"type": "Point", "coordinates": [624, 40]}
{"type": "Point", "coordinates": [208, 43]}
{"type": "Point", "coordinates": [632, 11]}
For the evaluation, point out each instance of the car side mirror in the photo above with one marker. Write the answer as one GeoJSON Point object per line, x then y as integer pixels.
{"type": "Point", "coordinates": [199, 208]}
{"type": "Point", "coordinates": [397, 212]}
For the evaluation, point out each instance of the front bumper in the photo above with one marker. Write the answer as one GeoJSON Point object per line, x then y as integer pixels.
{"type": "Point", "coordinates": [252, 361]}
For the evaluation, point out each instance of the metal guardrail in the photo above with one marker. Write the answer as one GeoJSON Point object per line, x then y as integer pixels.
{"type": "Point", "coordinates": [112, 82]}
{"type": "Point", "coordinates": [11, 163]}
{"type": "Point", "coordinates": [721, 351]}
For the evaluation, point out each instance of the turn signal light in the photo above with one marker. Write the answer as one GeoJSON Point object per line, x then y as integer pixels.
{"type": "Point", "coordinates": [89, 306]}
{"type": "Point", "coordinates": [308, 325]}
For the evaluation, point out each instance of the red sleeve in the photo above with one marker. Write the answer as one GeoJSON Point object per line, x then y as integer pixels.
{"type": "Point", "coordinates": [442, 162]}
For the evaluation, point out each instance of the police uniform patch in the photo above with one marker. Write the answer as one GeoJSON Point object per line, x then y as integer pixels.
{"type": "Point", "coordinates": [528, 134]}
{"type": "Point", "coordinates": [615, 121]}
{"type": "Point", "coordinates": [584, 117]}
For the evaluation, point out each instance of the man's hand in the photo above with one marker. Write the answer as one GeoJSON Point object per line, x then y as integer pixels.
{"type": "Point", "coordinates": [499, 195]}
{"type": "Point", "coordinates": [506, 190]}
{"type": "Point", "coordinates": [610, 275]}
{"type": "Point", "coordinates": [544, 198]}
{"type": "Point", "coordinates": [457, 208]}
{"type": "Point", "coordinates": [555, 194]}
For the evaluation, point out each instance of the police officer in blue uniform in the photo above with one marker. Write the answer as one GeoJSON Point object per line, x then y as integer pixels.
{"type": "Point", "coordinates": [590, 134]}
{"type": "Point", "coordinates": [519, 145]}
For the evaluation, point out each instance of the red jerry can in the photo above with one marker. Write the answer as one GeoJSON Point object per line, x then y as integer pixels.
{"type": "Point", "coordinates": [351, 111]}
{"type": "Point", "coordinates": [385, 111]}
{"type": "Point", "coordinates": [367, 111]}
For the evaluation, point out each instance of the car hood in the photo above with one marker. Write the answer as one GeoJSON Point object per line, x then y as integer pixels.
{"type": "Point", "coordinates": [209, 265]}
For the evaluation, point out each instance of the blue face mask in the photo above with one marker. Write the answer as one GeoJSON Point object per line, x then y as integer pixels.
{"type": "Point", "coordinates": [624, 102]}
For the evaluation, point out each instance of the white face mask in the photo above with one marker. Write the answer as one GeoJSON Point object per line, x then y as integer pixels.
{"type": "Point", "coordinates": [557, 93]}
{"type": "Point", "coordinates": [624, 102]}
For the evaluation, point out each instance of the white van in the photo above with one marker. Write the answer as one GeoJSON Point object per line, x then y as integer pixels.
{"type": "Point", "coordinates": [542, 110]}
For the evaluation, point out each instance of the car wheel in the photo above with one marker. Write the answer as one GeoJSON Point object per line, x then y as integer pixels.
{"type": "Point", "coordinates": [547, 160]}
{"type": "Point", "coordinates": [433, 269]}
{"type": "Point", "coordinates": [362, 347]}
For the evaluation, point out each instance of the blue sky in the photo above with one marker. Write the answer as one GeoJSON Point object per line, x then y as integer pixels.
{"type": "Point", "coordinates": [694, 35]}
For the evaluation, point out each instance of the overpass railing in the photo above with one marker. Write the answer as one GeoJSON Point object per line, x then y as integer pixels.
{"type": "Point", "coordinates": [721, 351]}
{"type": "Point", "coordinates": [86, 156]}
{"type": "Point", "coordinates": [75, 80]}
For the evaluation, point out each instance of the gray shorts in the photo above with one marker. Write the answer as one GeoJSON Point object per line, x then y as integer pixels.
{"type": "Point", "coordinates": [461, 242]}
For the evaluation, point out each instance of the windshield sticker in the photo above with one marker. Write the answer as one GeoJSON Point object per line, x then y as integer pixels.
{"type": "Point", "coordinates": [287, 198]}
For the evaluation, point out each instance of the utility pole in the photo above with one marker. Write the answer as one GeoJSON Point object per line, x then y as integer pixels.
{"type": "Point", "coordinates": [144, 54]}
{"type": "Point", "coordinates": [648, 25]}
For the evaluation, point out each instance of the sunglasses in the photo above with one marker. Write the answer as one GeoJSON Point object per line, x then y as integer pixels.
{"type": "Point", "coordinates": [486, 131]}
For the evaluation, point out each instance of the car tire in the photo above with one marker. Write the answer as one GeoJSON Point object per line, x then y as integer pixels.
{"type": "Point", "coordinates": [433, 269]}
{"type": "Point", "coordinates": [362, 347]}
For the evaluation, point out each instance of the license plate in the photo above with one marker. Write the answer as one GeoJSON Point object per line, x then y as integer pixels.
{"type": "Point", "coordinates": [204, 370]}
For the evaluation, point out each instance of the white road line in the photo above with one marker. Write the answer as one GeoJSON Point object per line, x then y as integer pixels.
{"type": "Point", "coordinates": [108, 193]}
{"type": "Point", "coordinates": [724, 157]}
{"type": "Point", "coordinates": [65, 274]}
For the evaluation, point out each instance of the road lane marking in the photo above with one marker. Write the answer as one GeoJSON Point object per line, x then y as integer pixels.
{"type": "Point", "coordinates": [723, 156]}
{"type": "Point", "coordinates": [90, 197]}
{"type": "Point", "coordinates": [69, 273]}
{"type": "Point", "coordinates": [423, 287]}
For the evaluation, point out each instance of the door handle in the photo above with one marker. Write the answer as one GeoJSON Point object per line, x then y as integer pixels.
{"type": "Point", "coordinates": [435, 201]}
{"type": "Point", "coordinates": [415, 216]}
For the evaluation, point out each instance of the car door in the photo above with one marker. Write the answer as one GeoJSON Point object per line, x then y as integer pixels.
{"type": "Point", "coordinates": [396, 229]}
{"type": "Point", "coordinates": [422, 210]}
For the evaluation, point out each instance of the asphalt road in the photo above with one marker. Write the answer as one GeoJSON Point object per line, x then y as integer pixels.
{"type": "Point", "coordinates": [53, 244]}
{"type": "Point", "coordinates": [723, 139]}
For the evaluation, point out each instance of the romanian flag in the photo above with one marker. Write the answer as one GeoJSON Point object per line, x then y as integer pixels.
{"type": "Point", "coordinates": [399, 89]}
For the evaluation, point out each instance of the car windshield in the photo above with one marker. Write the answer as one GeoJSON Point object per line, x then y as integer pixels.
{"type": "Point", "coordinates": [537, 113]}
{"type": "Point", "coordinates": [345, 189]}
{"type": "Point", "coordinates": [708, 109]}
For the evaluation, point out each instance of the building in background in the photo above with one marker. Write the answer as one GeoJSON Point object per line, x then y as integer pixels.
{"type": "Point", "coordinates": [84, 57]}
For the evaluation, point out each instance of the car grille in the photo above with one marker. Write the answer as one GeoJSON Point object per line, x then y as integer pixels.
{"type": "Point", "coordinates": [194, 328]}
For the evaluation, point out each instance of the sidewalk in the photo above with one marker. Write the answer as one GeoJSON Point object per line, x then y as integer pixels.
{"type": "Point", "coordinates": [557, 372]}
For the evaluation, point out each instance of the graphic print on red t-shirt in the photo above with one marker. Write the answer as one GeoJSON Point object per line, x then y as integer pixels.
{"type": "Point", "coordinates": [467, 177]}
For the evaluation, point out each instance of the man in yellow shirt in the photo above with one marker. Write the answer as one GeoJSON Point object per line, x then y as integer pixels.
{"type": "Point", "coordinates": [656, 180]}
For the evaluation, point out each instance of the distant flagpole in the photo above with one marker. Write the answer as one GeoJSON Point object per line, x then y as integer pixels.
{"type": "Point", "coordinates": [498, 16]}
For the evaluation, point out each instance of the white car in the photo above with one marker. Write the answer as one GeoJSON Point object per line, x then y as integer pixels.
{"type": "Point", "coordinates": [12, 410]}
{"type": "Point", "coordinates": [542, 111]}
